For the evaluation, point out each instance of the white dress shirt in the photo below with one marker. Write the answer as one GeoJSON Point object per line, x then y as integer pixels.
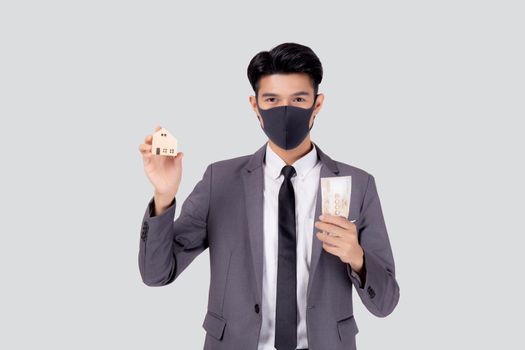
{"type": "Point", "coordinates": [305, 184]}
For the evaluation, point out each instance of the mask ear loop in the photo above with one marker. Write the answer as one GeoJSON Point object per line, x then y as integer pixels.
{"type": "Point", "coordinates": [315, 100]}
{"type": "Point", "coordinates": [313, 107]}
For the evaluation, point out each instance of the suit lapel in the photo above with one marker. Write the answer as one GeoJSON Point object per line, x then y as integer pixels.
{"type": "Point", "coordinates": [328, 169]}
{"type": "Point", "coordinates": [253, 180]}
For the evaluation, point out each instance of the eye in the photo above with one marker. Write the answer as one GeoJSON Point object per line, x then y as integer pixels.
{"type": "Point", "coordinates": [300, 99]}
{"type": "Point", "coordinates": [270, 98]}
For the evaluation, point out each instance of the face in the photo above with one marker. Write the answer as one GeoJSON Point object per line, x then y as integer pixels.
{"type": "Point", "coordinates": [293, 89]}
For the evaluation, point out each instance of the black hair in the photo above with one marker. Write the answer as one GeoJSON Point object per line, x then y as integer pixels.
{"type": "Point", "coordinates": [285, 58]}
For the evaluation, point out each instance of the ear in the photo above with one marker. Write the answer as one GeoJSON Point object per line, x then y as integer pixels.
{"type": "Point", "coordinates": [318, 103]}
{"type": "Point", "coordinates": [253, 103]}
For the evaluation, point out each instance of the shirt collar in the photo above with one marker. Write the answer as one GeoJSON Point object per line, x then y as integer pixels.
{"type": "Point", "coordinates": [274, 164]}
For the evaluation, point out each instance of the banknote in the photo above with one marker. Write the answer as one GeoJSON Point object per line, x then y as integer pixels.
{"type": "Point", "coordinates": [335, 195]}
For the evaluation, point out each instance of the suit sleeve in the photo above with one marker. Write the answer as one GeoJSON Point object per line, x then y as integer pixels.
{"type": "Point", "coordinates": [167, 247]}
{"type": "Point", "coordinates": [379, 291]}
{"type": "Point", "coordinates": [355, 275]}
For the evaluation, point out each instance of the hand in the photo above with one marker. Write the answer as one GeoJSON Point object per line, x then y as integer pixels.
{"type": "Point", "coordinates": [341, 240]}
{"type": "Point", "coordinates": [164, 172]}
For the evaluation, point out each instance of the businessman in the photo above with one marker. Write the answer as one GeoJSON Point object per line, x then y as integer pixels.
{"type": "Point", "coordinates": [281, 274]}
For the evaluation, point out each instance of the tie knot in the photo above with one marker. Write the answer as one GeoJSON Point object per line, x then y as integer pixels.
{"type": "Point", "coordinates": [288, 171]}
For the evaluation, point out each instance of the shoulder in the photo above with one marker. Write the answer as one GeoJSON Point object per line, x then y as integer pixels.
{"type": "Point", "coordinates": [229, 166]}
{"type": "Point", "coordinates": [349, 169]}
{"type": "Point", "coordinates": [361, 179]}
{"type": "Point", "coordinates": [232, 162]}
{"type": "Point", "coordinates": [346, 169]}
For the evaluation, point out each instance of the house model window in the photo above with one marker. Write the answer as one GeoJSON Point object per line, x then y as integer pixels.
{"type": "Point", "coordinates": [164, 143]}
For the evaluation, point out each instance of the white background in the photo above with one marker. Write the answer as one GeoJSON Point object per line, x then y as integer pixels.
{"type": "Point", "coordinates": [428, 96]}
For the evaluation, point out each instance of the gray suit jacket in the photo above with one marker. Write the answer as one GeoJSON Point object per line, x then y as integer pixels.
{"type": "Point", "coordinates": [224, 212]}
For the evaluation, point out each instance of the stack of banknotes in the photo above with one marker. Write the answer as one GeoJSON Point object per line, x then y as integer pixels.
{"type": "Point", "coordinates": [335, 195]}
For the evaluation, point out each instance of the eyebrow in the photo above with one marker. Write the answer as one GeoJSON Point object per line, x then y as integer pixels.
{"type": "Point", "coordinates": [299, 93]}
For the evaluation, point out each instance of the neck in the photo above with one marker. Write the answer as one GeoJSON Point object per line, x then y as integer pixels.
{"type": "Point", "coordinates": [291, 155]}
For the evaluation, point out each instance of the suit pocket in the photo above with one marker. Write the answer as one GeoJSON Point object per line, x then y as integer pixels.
{"type": "Point", "coordinates": [214, 325]}
{"type": "Point", "coordinates": [347, 328]}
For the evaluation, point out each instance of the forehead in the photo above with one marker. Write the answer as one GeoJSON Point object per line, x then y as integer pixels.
{"type": "Point", "coordinates": [285, 84]}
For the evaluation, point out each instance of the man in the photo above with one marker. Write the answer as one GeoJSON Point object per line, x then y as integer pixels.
{"type": "Point", "coordinates": [278, 280]}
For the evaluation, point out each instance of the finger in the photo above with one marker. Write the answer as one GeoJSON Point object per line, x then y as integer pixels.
{"type": "Point", "coordinates": [333, 229]}
{"type": "Point", "coordinates": [147, 157]}
{"type": "Point", "coordinates": [144, 148]}
{"type": "Point", "coordinates": [336, 220]}
{"type": "Point", "coordinates": [157, 127]}
{"type": "Point", "coordinates": [179, 155]}
{"type": "Point", "coordinates": [332, 250]}
{"type": "Point", "coordinates": [333, 240]}
{"type": "Point", "coordinates": [178, 158]}
{"type": "Point", "coordinates": [148, 139]}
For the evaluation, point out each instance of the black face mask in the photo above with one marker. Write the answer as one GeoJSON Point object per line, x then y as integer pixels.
{"type": "Point", "coordinates": [286, 126]}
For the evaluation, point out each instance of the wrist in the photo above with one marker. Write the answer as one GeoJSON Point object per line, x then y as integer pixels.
{"type": "Point", "coordinates": [358, 264]}
{"type": "Point", "coordinates": [162, 202]}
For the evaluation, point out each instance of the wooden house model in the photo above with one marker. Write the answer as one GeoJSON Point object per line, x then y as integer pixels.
{"type": "Point", "coordinates": [164, 143]}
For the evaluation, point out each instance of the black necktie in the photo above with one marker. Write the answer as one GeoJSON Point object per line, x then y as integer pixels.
{"type": "Point", "coordinates": [286, 303]}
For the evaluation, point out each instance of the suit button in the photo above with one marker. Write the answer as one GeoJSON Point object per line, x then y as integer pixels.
{"type": "Point", "coordinates": [371, 292]}
{"type": "Point", "coordinates": [256, 307]}
{"type": "Point", "coordinates": [144, 232]}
